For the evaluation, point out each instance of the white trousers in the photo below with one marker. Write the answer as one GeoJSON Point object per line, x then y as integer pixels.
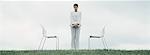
{"type": "Point", "coordinates": [75, 32]}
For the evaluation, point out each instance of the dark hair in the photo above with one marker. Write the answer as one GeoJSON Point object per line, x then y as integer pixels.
{"type": "Point", "coordinates": [75, 5]}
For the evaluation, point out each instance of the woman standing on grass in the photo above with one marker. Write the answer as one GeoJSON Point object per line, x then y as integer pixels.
{"type": "Point", "coordinates": [75, 27]}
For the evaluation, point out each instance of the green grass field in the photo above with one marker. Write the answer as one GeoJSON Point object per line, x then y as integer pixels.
{"type": "Point", "coordinates": [75, 52]}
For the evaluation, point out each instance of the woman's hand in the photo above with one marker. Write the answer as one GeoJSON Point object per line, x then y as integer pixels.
{"type": "Point", "coordinates": [75, 25]}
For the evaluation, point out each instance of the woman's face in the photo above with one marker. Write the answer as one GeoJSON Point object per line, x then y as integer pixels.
{"type": "Point", "coordinates": [75, 7]}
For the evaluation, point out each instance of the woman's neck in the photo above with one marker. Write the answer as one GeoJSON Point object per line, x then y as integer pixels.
{"type": "Point", "coordinates": [76, 11]}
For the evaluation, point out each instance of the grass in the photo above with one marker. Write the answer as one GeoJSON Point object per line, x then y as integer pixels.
{"type": "Point", "coordinates": [75, 52]}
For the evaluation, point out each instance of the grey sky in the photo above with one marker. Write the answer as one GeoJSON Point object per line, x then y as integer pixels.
{"type": "Point", "coordinates": [127, 24]}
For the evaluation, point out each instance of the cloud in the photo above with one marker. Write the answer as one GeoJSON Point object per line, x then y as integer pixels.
{"type": "Point", "coordinates": [126, 24]}
{"type": "Point", "coordinates": [74, 0]}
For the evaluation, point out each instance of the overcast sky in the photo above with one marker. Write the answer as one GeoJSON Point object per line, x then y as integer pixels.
{"type": "Point", "coordinates": [127, 24]}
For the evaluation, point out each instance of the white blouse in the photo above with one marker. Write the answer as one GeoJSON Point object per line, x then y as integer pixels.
{"type": "Point", "coordinates": [75, 17]}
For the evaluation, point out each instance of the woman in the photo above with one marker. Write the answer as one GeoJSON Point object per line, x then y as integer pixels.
{"type": "Point", "coordinates": [75, 27]}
